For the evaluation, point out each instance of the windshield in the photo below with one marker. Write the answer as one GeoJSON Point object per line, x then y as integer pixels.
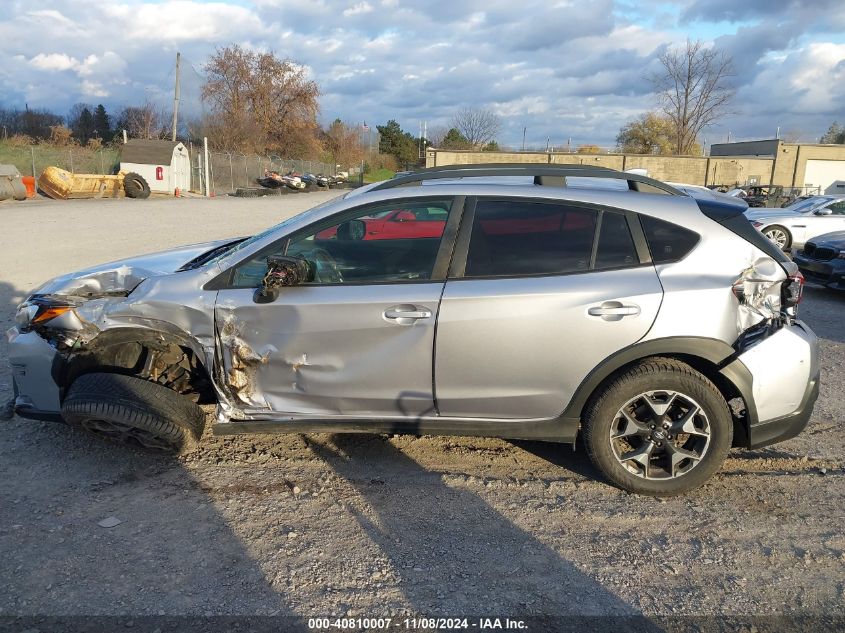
{"type": "Point", "coordinates": [809, 204]}
{"type": "Point", "coordinates": [259, 236]}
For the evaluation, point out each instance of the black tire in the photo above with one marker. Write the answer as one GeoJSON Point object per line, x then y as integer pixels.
{"type": "Point", "coordinates": [134, 186]}
{"type": "Point", "coordinates": [251, 192]}
{"type": "Point", "coordinates": [133, 411]}
{"type": "Point", "coordinates": [782, 229]}
{"type": "Point", "coordinates": [658, 376]}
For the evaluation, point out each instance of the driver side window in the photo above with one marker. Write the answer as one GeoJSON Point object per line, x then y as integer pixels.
{"type": "Point", "coordinates": [389, 242]}
{"type": "Point", "coordinates": [838, 208]}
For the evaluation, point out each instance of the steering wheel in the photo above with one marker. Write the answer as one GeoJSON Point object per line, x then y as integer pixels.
{"type": "Point", "coordinates": [327, 268]}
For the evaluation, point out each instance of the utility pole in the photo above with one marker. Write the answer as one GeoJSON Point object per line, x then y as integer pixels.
{"type": "Point", "coordinates": [523, 138]}
{"type": "Point", "coordinates": [176, 97]}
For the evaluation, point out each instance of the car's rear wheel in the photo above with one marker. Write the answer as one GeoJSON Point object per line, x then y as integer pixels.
{"type": "Point", "coordinates": [133, 411]}
{"type": "Point", "coordinates": [660, 428]}
{"type": "Point", "coordinates": [779, 235]}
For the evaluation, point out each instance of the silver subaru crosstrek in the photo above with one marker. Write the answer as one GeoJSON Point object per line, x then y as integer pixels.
{"type": "Point", "coordinates": [535, 302]}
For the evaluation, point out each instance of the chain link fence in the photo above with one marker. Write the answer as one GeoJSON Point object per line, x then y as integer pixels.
{"type": "Point", "coordinates": [31, 160]}
{"type": "Point", "coordinates": [228, 170]}
{"type": "Point", "coordinates": [231, 170]}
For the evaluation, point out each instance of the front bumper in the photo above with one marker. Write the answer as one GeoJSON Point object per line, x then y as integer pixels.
{"type": "Point", "coordinates": [784, 372]}
{"type": "Point", "coordinates": [34, 364]}
{"type": "Point", "coordinates": [829, 273]}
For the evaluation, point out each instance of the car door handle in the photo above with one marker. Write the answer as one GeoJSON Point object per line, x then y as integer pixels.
{"type": "Point", "coordinates": [406, 314]}
{"type": "Point", "coordinates": [613, 310]}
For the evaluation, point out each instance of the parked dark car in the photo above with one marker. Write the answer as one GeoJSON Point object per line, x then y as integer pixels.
{"type": "Point", "coordinates": [822, 260]}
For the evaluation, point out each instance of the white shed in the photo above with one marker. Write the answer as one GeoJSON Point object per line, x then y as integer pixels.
{"type": "Point", "coordinates": [165, 165]}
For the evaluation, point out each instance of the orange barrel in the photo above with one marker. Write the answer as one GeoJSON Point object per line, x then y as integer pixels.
{"type": "Point", "coordinates": [29, 183]}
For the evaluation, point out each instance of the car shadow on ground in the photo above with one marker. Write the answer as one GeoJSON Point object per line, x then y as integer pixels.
{"type": "Point", "coordinates": [172, 560]}
{"type": "Point", "coordinates": [10, 297]}
{"type": "Point", "coordinates": [450, 563]}
{"type": "Point", "coordinates": [573, 458]}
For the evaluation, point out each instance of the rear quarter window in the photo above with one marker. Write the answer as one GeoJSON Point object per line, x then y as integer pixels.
{"type": "Point", "coordinates": [667, 242]}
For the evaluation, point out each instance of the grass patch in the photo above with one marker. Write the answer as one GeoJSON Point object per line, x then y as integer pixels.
{"type": "Point", "coordinates": [80, 160]}
{"type": "Point", "coordinates": [378, 175]}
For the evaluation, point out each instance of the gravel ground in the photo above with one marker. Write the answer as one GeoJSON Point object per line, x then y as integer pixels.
{"type": "Point", "coordinates": [363, 525]}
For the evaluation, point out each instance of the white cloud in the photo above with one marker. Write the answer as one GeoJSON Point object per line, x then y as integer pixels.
{"type": "Point", "coordinates": [358, 9]}
{"type": "Point", "coordinates": [54, 61]}
{"type": "Point", "coordinates": [559, 69]}
{"type": "Point", "coordinates": [93, 89]}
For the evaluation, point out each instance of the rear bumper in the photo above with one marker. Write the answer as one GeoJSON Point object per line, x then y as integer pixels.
{"type": "Point", "coordinates": [827, 273]}
{"type": "Point", "coordinates": [784, 373]}
{"type": "Point", "coordinates": [788, 426]}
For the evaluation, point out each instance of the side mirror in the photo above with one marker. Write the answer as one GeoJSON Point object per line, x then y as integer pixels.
{"type": "Point", "coordinates": [351, 230]}
{"type": "Point", "coordinates": [283, 270]}
{"type": "Point", "coordinates": [823, 212]}
{"type": "Point", "coordinates": [404, 216]}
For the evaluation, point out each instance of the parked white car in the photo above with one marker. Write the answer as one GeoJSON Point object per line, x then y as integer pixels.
{"type": "Point", "coordinates": [793, 226]}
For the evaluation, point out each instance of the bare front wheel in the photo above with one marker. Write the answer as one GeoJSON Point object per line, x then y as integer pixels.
{"type": "Point", "coordinates": [660, 428]}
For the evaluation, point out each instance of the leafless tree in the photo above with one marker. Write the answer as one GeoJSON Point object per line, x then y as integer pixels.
{"type": "Point", "coordinates": [146, 121]}
{"type": "Point", "coordinates": [342, 141]}
{"type": "Point", "coordinates": [477, 126]}
{"type": "Point", "coordinates": [694, 90]}
{"type": "Point", "coordinates": [436, 135]}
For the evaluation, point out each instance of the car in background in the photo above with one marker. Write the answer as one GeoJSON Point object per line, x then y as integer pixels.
{"type": "Point", "coordinates": [792, 227]}
{"type": "Point", "coordinates": [822, 260]}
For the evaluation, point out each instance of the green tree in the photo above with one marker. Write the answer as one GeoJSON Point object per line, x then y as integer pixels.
{"type": "Point", "coordinates": [651, 133]}
{"type": "Point", "coordinates": [398, 143]}
{"type": "Point", "coordinates": [455, 140]}
{"type": "Point", "coordinates": [102, 123]}
{"type": "Point", "coordinates": [492, 146]}
{"type": "Point", "coordinates": [81, 122]}
{"type": "Point", "coordinates": [835, 134]}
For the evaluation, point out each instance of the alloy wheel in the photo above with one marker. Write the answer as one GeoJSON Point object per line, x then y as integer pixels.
{"type": "Point", "coordinates": [778, 236]}
{"type": "Point", "coordinates": [660, 435]}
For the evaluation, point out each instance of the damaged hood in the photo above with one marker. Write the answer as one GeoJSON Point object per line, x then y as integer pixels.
{"type": "Point", "coordinates": [122, 276]}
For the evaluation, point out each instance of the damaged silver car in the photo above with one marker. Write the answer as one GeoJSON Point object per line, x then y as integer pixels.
{"type": "Point", "coordinates": [543, 307]}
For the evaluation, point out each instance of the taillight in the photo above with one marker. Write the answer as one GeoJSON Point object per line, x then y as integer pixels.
{"type": "Point", "coordinates": [792, 290]}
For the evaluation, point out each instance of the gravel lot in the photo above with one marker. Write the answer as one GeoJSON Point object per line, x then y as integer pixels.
{"type": "Point", "coordinates": [370, 525]}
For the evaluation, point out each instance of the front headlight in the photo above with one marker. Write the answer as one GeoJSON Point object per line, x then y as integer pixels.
{"type": "Point", "coordinates": [26, 312]}
{"type": "Point", "coordinates": [37, 310]}
{"type": "Point", "coordinates": [841, 255]}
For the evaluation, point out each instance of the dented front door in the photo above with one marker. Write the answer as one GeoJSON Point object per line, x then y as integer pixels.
{"type": "Point", "coordinates": [327, 350]}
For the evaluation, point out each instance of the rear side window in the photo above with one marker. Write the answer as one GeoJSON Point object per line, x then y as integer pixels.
{"type": "Point", "coordinates": [616, 246]}
{"type": "Point", "coordinates": [515, 237]}
{"type": "Point", "coordinates": [667, 242]}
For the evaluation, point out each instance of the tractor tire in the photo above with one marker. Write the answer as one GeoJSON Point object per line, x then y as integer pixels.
{"type": "Point", "coordinates": [134, 186]}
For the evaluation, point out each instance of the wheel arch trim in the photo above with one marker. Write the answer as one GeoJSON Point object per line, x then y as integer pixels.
{"type": "Point", "coordinates": [718, 355]}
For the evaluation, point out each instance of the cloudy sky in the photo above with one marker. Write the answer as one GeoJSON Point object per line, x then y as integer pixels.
{"type": "Point", "coordinates": [572, 69]}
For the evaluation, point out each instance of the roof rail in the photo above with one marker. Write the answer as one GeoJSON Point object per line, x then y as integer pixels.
{"type": "Point", "coordinates": [544, 174]}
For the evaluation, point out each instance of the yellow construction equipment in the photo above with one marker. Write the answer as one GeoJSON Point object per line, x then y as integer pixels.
{"type": "Point", "coordinates": [63, 185]}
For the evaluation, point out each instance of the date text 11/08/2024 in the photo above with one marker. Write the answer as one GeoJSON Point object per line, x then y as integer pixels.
{"type": "Point", "coordinates": [412, 624]}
